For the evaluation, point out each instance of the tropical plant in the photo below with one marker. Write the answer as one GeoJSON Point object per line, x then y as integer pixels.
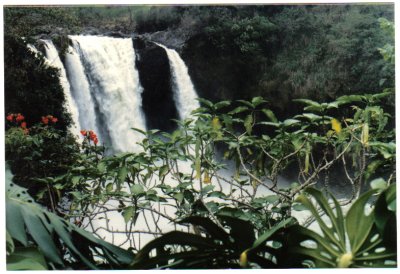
{"type": "Point", "coordinates": [38, 156]}
{"type": "Point", "coordinates": [38, 239]}
{"type": "Point", "coordinates": [212, 247]}
{"type": "Point", "coordinates": [364, 237]}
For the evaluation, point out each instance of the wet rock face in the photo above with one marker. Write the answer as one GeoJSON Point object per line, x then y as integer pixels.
{"type": "Point", "coordinates": [155, 77]}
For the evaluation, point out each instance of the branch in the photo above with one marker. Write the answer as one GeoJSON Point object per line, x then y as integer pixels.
{"type": "Point", "coordinates": [320, 168]}
{"type": "Point", "coordinates": [257, 179]}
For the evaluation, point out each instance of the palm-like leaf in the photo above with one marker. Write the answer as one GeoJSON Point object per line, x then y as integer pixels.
{"type": "Point", "coordinates": [214, 248]}
{"type": "Point", "coordinates": [353, 241]}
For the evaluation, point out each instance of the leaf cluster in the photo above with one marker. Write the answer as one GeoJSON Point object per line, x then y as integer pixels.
{"type": "Point", "coordinates": [38, 239]}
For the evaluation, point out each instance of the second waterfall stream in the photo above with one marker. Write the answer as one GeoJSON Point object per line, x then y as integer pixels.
{"type": "Point", "coordinates": [184, 94]}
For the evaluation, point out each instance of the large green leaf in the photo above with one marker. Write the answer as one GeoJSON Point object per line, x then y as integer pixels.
{"type": "Point", "coordinates": [307, 102]}
{"type": "Point", "coordinates": [122, 173]}
{"type": "Point", "coordinates": [28, 220]}
{"type": "Point", "coordinates": [304, 244]}
{"type": "Point", "coordinates": [15, 224]}
{"type": "Point", "coordinates": [238, 110]}
{"type": "Point", "coordinates": [10, 247]}
{"type": "Point", "coordinates": [358, 224]}
{"type": "Point", "coordinates": [35, 226]}
{"type": "Point", "coordinates": [270, 115]}
{"type": "Point", "coordinates": [211, 228]}
{"type": "Point", "coordinates": [346, 99]}
{"type": "Point", "coordinates": [257, 101]}
{"type": "Point", "coordinates": [205, 102]}
{"type": "Point", "coordinates": [384, 207]}
{"type": "Point", "coordinates": [335, 233]}
{"type": "Point", "coordinates": [367, 245]}
{"type": "Point", "coordinates": [214, 247]}
{"type": "Point", "coordinates": [172, 238]}
{"type": "Point", "coordinates": [222, 104]}
{"type": "Point", "coordinates": [261, 240]}
{"type": "Point", "coordinates": [26, 258]}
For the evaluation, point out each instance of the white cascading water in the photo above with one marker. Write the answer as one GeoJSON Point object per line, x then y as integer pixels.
{"type": "Point", "coordinates": [33, 49]}
{"type": "Point", "coordinates": [185, 96]}
{"type": "Point", "coordinates": [54, 60]}
{"type": "Point", "coordinates": [80, 90]}
{"type": "Point", "coordinates": [105, 85]}
{"type": "Point", "coordinates": [114, 81]}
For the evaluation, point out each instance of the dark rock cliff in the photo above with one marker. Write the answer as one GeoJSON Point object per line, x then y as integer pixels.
{"type": "Point", "coordinates": [154, 73]}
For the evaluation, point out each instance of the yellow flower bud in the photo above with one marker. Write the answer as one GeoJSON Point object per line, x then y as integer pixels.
{"type": "Point", "coordinates": [345, 260]}
{"type": "Point", "coordinates": [365, 134]}
{"type": "Point", "coordinates": [336, 125]}
{"type": "Point", "coordinates": [243, 259]}
{"type": "Point", "coordinates": [206, 179]}
{"type": "Point", "coordinates": [216, 125]}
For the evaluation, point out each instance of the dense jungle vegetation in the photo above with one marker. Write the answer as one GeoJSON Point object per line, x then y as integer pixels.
{"type": "Point", "coordinates": [300, 90]}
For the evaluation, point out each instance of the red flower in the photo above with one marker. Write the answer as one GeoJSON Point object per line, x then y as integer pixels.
{"type": "Point", "coordinates": [45, 120]}
{"type": "Point", "coordinates": [91, 136]}
{"type": "Point", "coordinates": [49, 118]}
{"type": "Point", "coordinates": [19, 117]}
{"type": "Point", "coordinates": [23, 125]}
{"type": "Point", "coordinates": [10, 117]}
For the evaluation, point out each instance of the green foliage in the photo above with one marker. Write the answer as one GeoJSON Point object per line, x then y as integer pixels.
{"type": "Point", "coordinates": [240, 223]}
{"type": "Point", "coordinates": [388, 50]}
{"type": "Point", "coordinates": [364, 232]}
{"type": "Point", "coordinates": [31, 86]}
{"type": "Point", "coordinates": [358, 239]}
{"type": "Point", "coordinates": [248, 36]}
{"type": "Point", "coordinates": [26, 258]}
{"type": "Point", "coordinates": [30, 21]}
{"type": "Point", "coordinates": [42, 233]}
{"type": "Point", "coordinates": [38, 158]}
{"type": "Point", "coordinates": [213, 247]}
{"type": "Point", "coordinates": [315, 52]}
{"type": "Point", "coordinates": [310, 145]}
{"type": "Point", "coordinates": [325, 48]}
{"type": "Point", "coordinates": [155, 18]}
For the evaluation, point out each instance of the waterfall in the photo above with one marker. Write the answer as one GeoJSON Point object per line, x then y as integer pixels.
{"type": "Point", "coordinates": [184, 94]}
{"type": "Point", "coordinates": [33, 49]}
{"type": "Point", "coordinates": [109, 64]}
{"type": "Point", "coordinates": [104, 84]}
{"type": "Point", "coordinates": [80, 90]}
{"type": "Point", "coordinates": [54, 60]}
